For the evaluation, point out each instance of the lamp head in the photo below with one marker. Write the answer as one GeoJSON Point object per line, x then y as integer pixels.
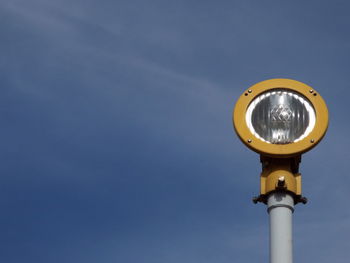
{"type": "Point", "coordinates": [280, 118]}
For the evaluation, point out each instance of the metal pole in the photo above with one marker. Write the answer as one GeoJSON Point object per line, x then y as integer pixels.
{"type": "Point", "coordinates": [280, 206]}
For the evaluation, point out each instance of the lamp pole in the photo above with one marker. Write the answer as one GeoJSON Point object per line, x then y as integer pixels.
{"type": "Point", "coordinates": [280, 206]}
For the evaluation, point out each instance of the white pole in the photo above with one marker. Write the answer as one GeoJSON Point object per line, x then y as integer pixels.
{"type": "Point", "coordinates": [280, 206]}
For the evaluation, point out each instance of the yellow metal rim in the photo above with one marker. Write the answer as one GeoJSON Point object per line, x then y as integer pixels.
{"type": "Point", "coordinates": [280, 150]}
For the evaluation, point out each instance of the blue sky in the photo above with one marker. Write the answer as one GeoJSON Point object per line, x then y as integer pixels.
{"type": "Point", "coordinates": [117, 143]}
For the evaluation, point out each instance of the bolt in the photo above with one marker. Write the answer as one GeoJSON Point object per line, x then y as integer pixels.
{"type": "Point", "coordinates": [281, 181]}
{"type": "Point", "coordinates": [303, 200]}
{"type": "Point", "coordinates": [312, 140]}
{"type": "Point", "coordinates": [311, 91]}
{"type": "Point", "coordinates": [249, 140]}
{"type": "Point", "coordinates": [250, 91]}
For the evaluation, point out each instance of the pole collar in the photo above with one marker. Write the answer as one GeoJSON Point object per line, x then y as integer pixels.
{"type": "Point", "coordinates": [280, 199]}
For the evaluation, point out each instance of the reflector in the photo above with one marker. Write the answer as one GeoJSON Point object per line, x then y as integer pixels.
{"type": "Point", "coordinates": [280, 116]}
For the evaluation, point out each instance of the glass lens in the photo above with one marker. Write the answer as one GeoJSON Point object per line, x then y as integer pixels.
{"type": "Point", "coordinates": [280, 116]}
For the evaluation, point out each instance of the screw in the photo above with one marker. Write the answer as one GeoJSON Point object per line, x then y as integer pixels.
{"type": "Point", "coordinates": [250, 91]}
{"type": "Point", "coordinates": [311, 91]}
{"type": "Point", "coordinates": [303, 200]}
{"type": "Point", "coordinates": [312, 140]}
{"type": "Point", "coordinates": [249, 140]}
{"type": "Point", "coordinates": [281, 181]}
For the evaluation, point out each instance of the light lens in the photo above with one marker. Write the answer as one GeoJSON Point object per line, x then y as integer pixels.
{"type": "Point", "coordinates": [280, 116]}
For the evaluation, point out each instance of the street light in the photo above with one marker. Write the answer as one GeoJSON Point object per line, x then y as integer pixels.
{"type": "Point", "coordinates": [280, 119]}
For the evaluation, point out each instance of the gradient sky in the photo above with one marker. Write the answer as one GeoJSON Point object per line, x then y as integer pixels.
{"type": "Point", "coordinates": [116, 140]}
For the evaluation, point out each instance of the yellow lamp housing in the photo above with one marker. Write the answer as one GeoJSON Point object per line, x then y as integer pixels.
{"type": "Point", "coordinates": [280, 119]}
{"type": "Point", "coordinates": [282, 95]}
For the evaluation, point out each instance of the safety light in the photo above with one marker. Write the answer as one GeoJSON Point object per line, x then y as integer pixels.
{"type": "Point", "coordinates": [280, 119]}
